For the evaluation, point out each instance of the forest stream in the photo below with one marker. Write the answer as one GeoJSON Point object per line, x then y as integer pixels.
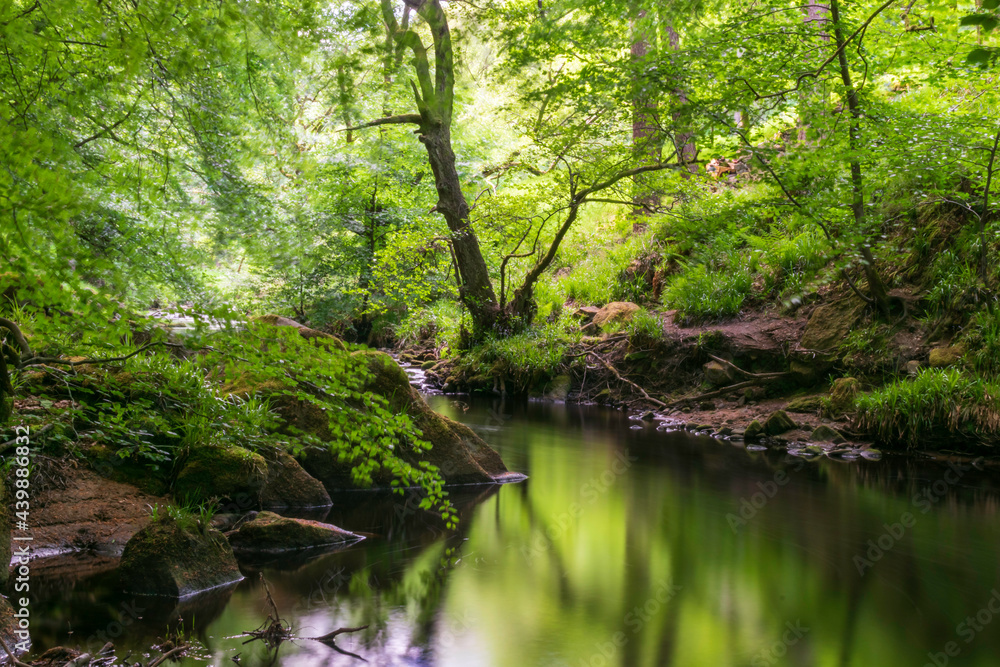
{"type": "Point", "coordinates": [626, 546]}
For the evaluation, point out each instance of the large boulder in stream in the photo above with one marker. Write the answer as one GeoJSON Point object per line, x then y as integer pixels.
{"type": "Point", "coordinates": [269, 533]}
{"type": "Point", "coordinates": [177, 558]}
{"type": "Point", "coordinates": [227, 474]}
{"type": "Point", "coordinates": [288, 485]}
{"type": "Point", "coordinates": [461, 456]}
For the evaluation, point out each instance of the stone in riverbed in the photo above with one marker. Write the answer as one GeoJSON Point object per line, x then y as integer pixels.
{"type": "Point", "coordinates": [842, 395]}
{"type": "Point", "coordinates": [177, 558]}
{"type": "Point", "coordinates": [779, 422]}
{"type": "Point", "coordinates": [229, 474]}
{"type": "Point", "coordinates": [268, 533]}
{"type": "Point", "coordinates": [753, 430]}
{"type": "Point", "coordinates": [718, 374]}
{"type": "Point", "coordinates": [824, 433]}
{"type": "Point", "coordinates": [289, 485]}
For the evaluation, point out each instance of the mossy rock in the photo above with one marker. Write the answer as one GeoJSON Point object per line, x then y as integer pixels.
{"type": "Point", "coordinates": [824, 433]}
{"type": "Point", "coordinates": [753, 430]}
{"type": "Point", "coordinates": [174, 560]}
{"type": "Point", "coordinates": [289, 485]}
{"type": "Point", "coordinates": [829, 325]}
{"type": "Point", "coordinates": [779, 422]}
{"type": "Point", "coordinates": [942, 357]}
{"type": "Point", "coordinates": [315, 335]}
{"type": "Point", "coordinates": [106, 462]}
{"type": "Point", "coordinates": [224, 473]}
{"type": "Point", "coordinates": [805, 404]}
{"type": "Point", "coordinates": [842, 395]}
{"type": "Point", "coordinates": [461, 456]}
{"type": "Point", "coordinates": [269, 533]}
{"type": "Point", "coordinates": [558, 388]}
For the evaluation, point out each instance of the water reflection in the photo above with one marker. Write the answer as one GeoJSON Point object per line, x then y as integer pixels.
{"type": "Point", "coordinates": [625, 547]}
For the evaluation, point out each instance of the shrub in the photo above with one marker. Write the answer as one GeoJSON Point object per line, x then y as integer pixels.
{"type": "Point", "coordinates": [699, 293]}
{"type": "Point", "coordinates": [937, 404]}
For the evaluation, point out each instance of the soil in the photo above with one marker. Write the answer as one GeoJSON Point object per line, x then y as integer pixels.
{"type": "Point", "coordinates": [76, 509]}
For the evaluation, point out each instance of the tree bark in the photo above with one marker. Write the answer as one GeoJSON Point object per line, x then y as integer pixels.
{"type": "Point", "coordinates": [876, 287]}
{"type": "Point", "coordinates": [646, 140]}
{"type": "Point", "coordinates": [435, 100]}
{"type": "Point", "coordinates": [687, 151]}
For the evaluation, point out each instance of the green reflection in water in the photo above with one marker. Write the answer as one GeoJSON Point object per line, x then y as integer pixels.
{"type": "Point", "coordinates": [623, 549]}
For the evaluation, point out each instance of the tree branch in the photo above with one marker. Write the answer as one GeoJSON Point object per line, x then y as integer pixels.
{"type": "Point", "coordinates": [22, 342]}
{"type": "Point", "coordinates": [402, 119]}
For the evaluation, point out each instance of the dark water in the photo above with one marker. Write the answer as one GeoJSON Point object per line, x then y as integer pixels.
{"type": "Point", "coordinates": [625, 547]}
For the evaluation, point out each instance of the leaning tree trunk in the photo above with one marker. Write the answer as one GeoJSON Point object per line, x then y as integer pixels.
{"type": "Point", "coordinates": [434, 94]}
{"type": "Point", "coordinates": [646, 139]}
{"type": "Point", "coordinates": [476, 287]}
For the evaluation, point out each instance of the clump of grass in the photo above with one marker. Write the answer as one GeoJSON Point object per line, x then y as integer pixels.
{"type": "Point", "coordinates": [982, 339]}
{"type": "Point", "coordinates": [936, 404]}
{"type": "Point", "coordinates": [643, 328]}
{"type": "Point", "coordinates": [700, 293]}
{"type": "Point", "coordinates": [526, 359]}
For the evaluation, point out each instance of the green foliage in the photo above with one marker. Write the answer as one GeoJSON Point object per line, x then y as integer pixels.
{"type": "Point", "coordinates": [937, 404]}
{"type": "Point", "coordinates": [644, 328]}
{"type": "Point", "coordinates": [524, 360]}
{"type": "Point", "coordinates": [982, 341]}
{"type": "Point", "coordinates": [699, 292]}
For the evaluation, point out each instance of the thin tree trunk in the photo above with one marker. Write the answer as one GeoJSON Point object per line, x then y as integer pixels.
{"type": "Point", "coordinates": [816, 15]}
{"type": "Point", "coordinates": [983, 251]}
{"type": "Point", "coordinates": [687, 152]}
{"type": "Point", "coordinates": [876, 287]}
{"type": "Point", "coordinates": [645, 110]}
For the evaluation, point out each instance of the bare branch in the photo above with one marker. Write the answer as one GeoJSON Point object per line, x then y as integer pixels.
{"type": "Point", "coordinates": [402, 119]}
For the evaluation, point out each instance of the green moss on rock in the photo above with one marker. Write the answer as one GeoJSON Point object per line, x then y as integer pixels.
{"type": "Point", "coordinates": [289, 485]}
{"type": "Point", "coordinates": [269, 533]}
{"type": "Point", "coordinates": [229, 473]}
{"type": "Point", "coordinates": [174, 560]}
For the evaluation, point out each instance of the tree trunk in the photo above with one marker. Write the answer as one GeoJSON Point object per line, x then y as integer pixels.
{"type": "Point", "coordinates": [477, 289]}
{"type": "Point", "coordinates": [687, 152]}
{"type": "Point", "coordinates": [646, 141]}
{"type": "Point", "coordinates": [876, 287]}
{"type": "Point", "coordinates": [811, 96]}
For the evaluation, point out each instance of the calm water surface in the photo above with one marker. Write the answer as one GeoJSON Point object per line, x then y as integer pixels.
{"type": "Point", "coordinates": [625, 547]}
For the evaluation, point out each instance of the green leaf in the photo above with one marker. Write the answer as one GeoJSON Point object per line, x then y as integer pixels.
{"type": "Point", "coordinates": [979, 56]}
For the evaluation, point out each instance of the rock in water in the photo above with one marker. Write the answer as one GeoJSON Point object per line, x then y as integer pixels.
{"type": "Point", "coordinates": [177, 558]}
{"type": "Point", "coordinates": [753, 431]}
{"type": "Point", "coordinates": [461, 456]}
{"type": "Point", "coordinates": [779, 422]}
{"type": "Point", "coordinates": [269, 533]}
{"type": "Point", "coordinates": [289, 485]}
{"type": "Point", "coordinates": [824, 433]}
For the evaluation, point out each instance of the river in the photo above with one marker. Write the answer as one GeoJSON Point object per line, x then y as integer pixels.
{"type": "Point", "coordinates": [626, 546]}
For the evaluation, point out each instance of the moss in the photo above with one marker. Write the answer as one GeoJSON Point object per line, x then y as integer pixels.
{"type": "Point", "coordinates": [166, 558]}
{"type": "Point", "coordinates": [107, 463]}
{"type": "Point", "coordinates": [231, 473]}
{"type": "Point", "coordinates": [270, 533]}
